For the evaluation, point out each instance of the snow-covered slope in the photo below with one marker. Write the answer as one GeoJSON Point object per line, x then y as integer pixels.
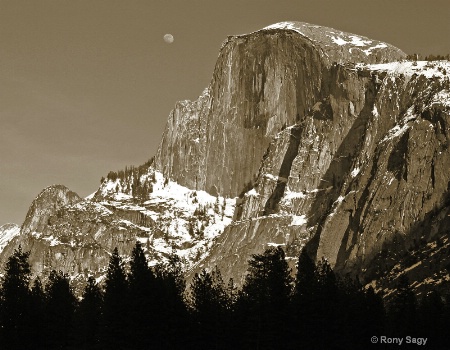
{"type": "Point", "coordinates": [7, 233]}
{"type": "Point", "coordinates": [79, 235]}
{"type": "Point", "coordinates": [182, 220]}
{"type": "Point", "coordinates": [306, 135]}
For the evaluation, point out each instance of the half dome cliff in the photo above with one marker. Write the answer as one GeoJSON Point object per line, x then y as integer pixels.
{"type": "Point", "coordinates": [306, 135]}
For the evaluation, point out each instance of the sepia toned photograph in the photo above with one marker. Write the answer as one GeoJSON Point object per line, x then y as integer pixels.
{"type": "Point", "coordinates": [207, 174]}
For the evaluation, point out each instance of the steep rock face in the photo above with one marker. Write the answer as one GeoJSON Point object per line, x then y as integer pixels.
{"type": "Point", "coordinates": [303, 137]}
{"type": "Point", "coordinates": [7, 233]}
{"type": "Point", "coordinates": [262, 82]}
{"type": "Point", "coordinates": [64, 232]}
{"type": "Point", "coordinates": [366, 172]}
{"type": "Point", "coordinates": [78, 235]}
{"type": "Point", "coordinates": [400, 172]}
{"type": "Point", "coordinates": [47, 204]}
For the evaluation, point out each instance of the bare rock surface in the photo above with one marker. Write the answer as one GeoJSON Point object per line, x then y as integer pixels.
{"type": "Point", "coordinates": [306, 135]}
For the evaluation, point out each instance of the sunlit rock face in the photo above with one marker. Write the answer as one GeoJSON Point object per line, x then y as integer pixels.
{"type": "Point", "coordinates": [355, 172]}
{"type": "Point", "coordinates": [7, 233]}
{"type": "Point", "coordinates": [65, 232]}
{"type": "Point", "coordinates": [367, 172]}
{"type": "Point", "coordinates": [262, 83]}
{"type": "Point", "coordinates": [306, 136]}
{"type": "Point", "coordinates": [47, 203]}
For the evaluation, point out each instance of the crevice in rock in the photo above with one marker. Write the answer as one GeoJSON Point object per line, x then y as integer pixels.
{"type": "Point", "coordinates": [271, 205]}
{"type": "Point", "coordinates": [340, 167]}
{"type": "Point", "coordinates": [396, 162]}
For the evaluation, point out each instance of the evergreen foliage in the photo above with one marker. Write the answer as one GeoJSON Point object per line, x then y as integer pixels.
{"type": "Point", "coordinates": [87, 317]}
{"type": "Point", "coordinates": [403, 309]}
{"type": "Point", "coordinates": [209, 306]}
{"type": "Point", "coordinates": [264, 300]}
{"type": "Point", "coordinates": [59, 309]}
{"type": "Point", "coordinates": [146, 308]}
{"type": "Point", "coordinates": [115, 305]}
{"type": "Point", "coordinates": [15, 299]}
{"type": "Point", "coordinates": [143, 298]}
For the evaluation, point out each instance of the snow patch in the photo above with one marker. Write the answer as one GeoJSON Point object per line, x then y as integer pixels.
{"type": "Point", "coordinates": [355, 172]}
{"type": "Point", "coordinates": [271, 244]}
{"type": "Point", "coordinates": [378, 46]}
{"type": "Point", "coordinates": [339, 41]}
{"type": "Point", "coordinates": [7, 233]}
{"type": "Point", "coordinates": [340, 199]}
{"type": "Point", "coordinates": [294, 195]}
{"type": "Point", "coordinates": [429, 69]}
{"type": "Point", "coordinates": [298, 220]}
{"type": "Point", "coordinates": [252, 193]}
{"type": "Point", "coordinates": [284, 25]}
{"type": "Point", "coordinates": [375, 111]}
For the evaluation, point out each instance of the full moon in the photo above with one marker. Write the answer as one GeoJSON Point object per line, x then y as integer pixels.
{"type": "Point", "coordinates": [168, 38]}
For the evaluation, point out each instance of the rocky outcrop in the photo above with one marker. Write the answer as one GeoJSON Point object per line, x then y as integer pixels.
{"type": "Point", "coordinates": [46, 204]}
{"type": "Point", "coordinates": [64, 232]}
{"type": "Point", "coordinates": [7, 233]}
{"type": "Point", "coordinates": [262, 83]}
{"type": "Point", "coordinates": [78, 237]}
{"type": "Point", "coordinates": [305, 136]}
{"type": "Point", "coordinates": [367, 171]}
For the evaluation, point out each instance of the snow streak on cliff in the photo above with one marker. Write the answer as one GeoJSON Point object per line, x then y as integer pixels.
{"type": "Point", "coordinates": [306, 135]}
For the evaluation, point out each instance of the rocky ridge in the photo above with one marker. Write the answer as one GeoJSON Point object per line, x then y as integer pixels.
{"type": "Point", "coordinates": [7, 233]}
{"type": "Point", "coordinates": [305, 136]}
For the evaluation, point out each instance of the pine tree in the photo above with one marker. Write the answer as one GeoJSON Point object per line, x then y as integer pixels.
{"type": "Point", "coordinates": [209, 303]}
{"type": "Point", "coordinates": [326, 306]}
{"type": "Point", "coordinates": [305, 279]}
{"type": "Point", "coordinates": [142, 300]}
{"type": "Point", "coordinates": [374, 312]}
{"type": "Point", "coordinates": [173, 314]}
{"type": "Point", "coordinates": [114, 332]}
{"type": "Point", "coordinates": [15, 299]}
{"type": "Point", "coordinates": [304, 300]}
{"type": "Point", "coordinates": [216, 205]}
{"type": "Point", "coordinates": [403, 309]}
{"type": "Point", "coordinates": [264, 300]}
{"type": "Point", "coordinates": [59, 309]}
{"type": "Point", "coordinates": [431, 316]}
{"type": "Point", "coordinates": [87, 317]}
{"type": "Point", "coordinates": [36, 313]}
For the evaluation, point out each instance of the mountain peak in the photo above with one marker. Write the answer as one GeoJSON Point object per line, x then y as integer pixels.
{"type": "Point", "coordinates": [48, 201]}
{"type": "Point", "coordinates": [341, 46]}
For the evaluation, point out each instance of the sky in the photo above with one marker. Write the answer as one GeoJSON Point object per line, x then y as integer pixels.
{"type": "Point", "coordinates": [86, 86]}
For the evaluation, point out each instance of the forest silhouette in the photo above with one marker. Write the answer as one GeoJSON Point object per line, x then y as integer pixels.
{"type": "Point", "coordinates": [142, 307]}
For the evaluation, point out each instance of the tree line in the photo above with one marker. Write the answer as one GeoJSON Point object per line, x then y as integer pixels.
{"type": "Point", "coordinates": [418, 57]}
{"type": "Point", "coordinates": [142, 307]}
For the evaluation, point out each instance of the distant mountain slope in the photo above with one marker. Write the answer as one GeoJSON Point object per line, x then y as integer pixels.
{"type": "Point", "coordinates": [7, 233]}
{"type": "Point", "coordinates": [306, 135]}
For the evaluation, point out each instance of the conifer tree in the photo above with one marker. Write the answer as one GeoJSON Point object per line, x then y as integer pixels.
{"type": "Point", "coordinates": [403, 309]}
{"type": "Point", "coordinates": [87, 317]}
{"type": "Point", "coordinates": [305, 279]}
{"type": "Point", "coordinates": [303, 301]}
{"type": "Point", "coordinates": [114, 332]}
{"type": "Point", "coordinates": [59, 309]}
{"type": "Point", "coordinates": [15, 299]}
{"type": "Point", "coordinates": [36, 313]}
{"type": "Point", "coordinates": [209, 302]}
{"type": "Point", "coordinates": [143, 298]}
{"type": "Point", "coordinates": [431, 314]}
{"type": "Point", "coordinates": [374, 312]}
{"type": "Point", "coordinates": [264, 300]}
{"type": "Point", "coordinates": [326, 304]}
{"type": "Point", "coordinates": [173, 313]}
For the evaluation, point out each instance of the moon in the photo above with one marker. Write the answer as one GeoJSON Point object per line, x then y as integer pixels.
{"type": "Point", "coordinates": [168, 38]}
